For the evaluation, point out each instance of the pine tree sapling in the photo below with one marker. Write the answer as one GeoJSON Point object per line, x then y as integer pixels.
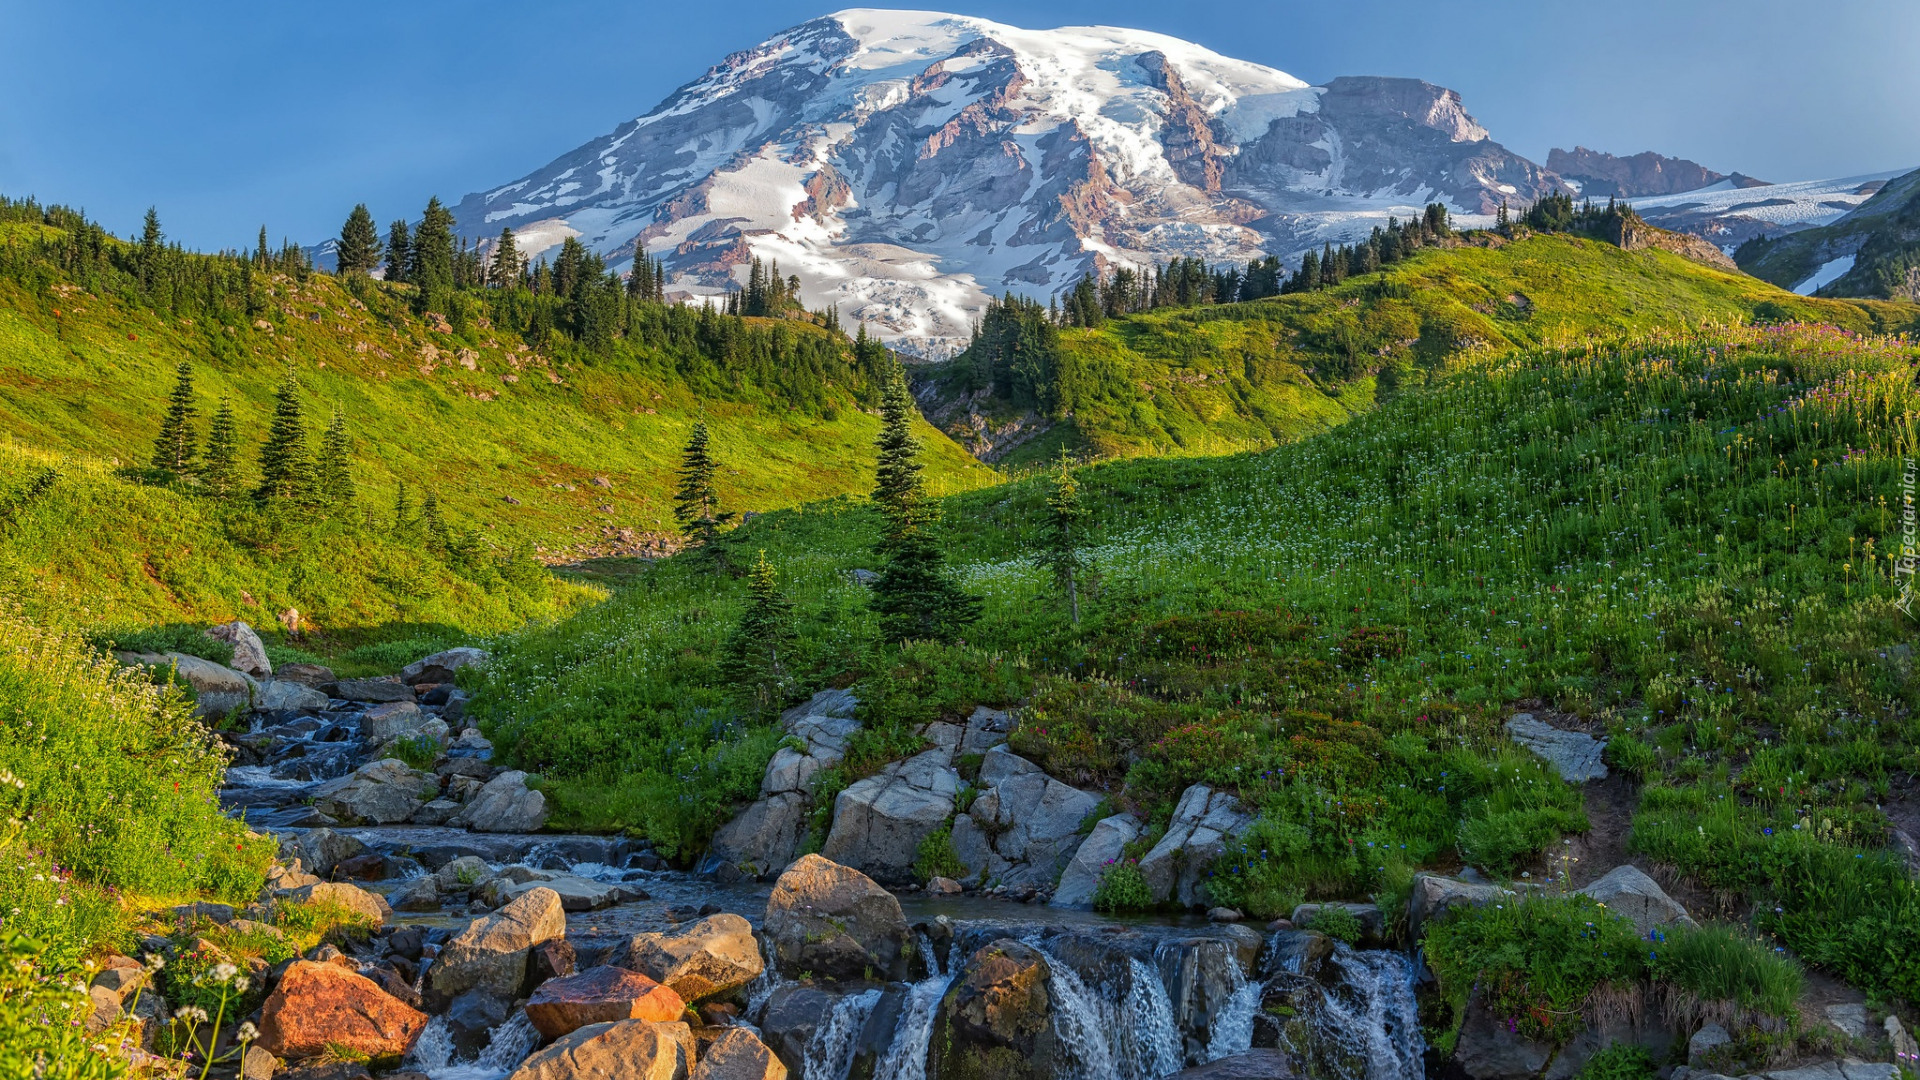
{"type": "Point", "coordinates": [695, 504]}
{"type": "Point", "coordinates": [754, 660]}
{"type": "Point", "coordinates": [333, 475]}
{"type": "Point", "coordinates": [1061, 552]}
{"type": "Point", "coordinates": [174, 448]}
{"type": "Point", "coordinates": [220, 471]}
{"type": "Point", "coordinates": [286, 464]}
{"type": "Point", "coordinates": [913, 593]}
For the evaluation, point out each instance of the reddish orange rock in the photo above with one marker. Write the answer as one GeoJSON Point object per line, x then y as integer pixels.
{"type": "Point", "coordinates": [320, 1004]}
{"type": "Point", "coordinates": [600, 995]}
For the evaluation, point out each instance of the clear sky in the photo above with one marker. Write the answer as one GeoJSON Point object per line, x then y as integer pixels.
{"type": "Point", "coordinates": [227, 115]}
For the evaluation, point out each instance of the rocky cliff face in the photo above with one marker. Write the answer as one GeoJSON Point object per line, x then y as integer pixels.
{"type": "Point", "coordinates": [909, 164]}
{"type": "Point", "coordinates": [1600, 174]}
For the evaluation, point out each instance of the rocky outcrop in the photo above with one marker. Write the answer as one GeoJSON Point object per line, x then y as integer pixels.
{"type": "Point", "coordinates": [315, 1007]}
{"type": "Point", "coordinates": [1627, 891]}
{"type": "Point", "coordinates": [286, 695]}
{"type": "Point", "coordinates": [384, 792]}
{"type": "Point", "coordinates": [1575, 754]}
{"type": "Point", "coordinates": [1102, 847]}
{"type": "Point", "coordinates": [997, 1019]}
{"type": "Point", "coordinates": [600, 995]}
{"type": "Point", "coordinates": [249, 652]}
{"type": "Point", "coordinates": [1601, 175]}
{"type": "Point", "coordinates": [504, 805]}
{"type": "Point", "coordinates": [628, 1050]}
{"type": "Point", "coordinates": [491, 953]}
{"type": "Point", "coordinates": [1203, 821]}
{"type": "Point", "coordinates": [699, 961]}
{"type": "Point", "coordinates": [879, 822]}
{"type": "Point", "coordinates": [762, 839]}
{"type": "Point", "coordinates": [218, 690]}
{"type": "Point", "coordinates": [1024, 827]}
{"type": "Point", "coordinates": [441, 666]}
{"type": "Point", "coordinates": [835, 922]}
{"type": "Point", "coordinates": [738, 1054]}
{"type": "Point", "coordinates": [1435, 895]}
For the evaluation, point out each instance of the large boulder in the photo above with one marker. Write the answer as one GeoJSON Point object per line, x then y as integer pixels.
{"type": "Point", "coordinates": [986, 729]}
{"type": "Point", "coordinates": [218, 689]}
{"type": "Point", "coordinates": [1574, 753]}
{"type": "Point", "coordinates": [249, 652]}
{"type": "Point", "coordinates": [598, 996]}
{"type": "Point", "coordinates": [834, 921]}
{"type": "Point", "coordinates": [286, 695]}
{"type": "Point", "coordinates": [317, 1006]}
{"type": "Point", "coordinates": [314, 675]}
{"type": "Point", "coordinates": [462, 874]}
{"type": "Point", "coordinates": [761, 838]}
{"type": "Point", "coordinates": [396, 720]}
{"type": "Point", "coordinates": [624, 1050]}
{"type": "Point", "coordinates": [491, 953]}
{"type": "Point", "coordinates": [320, 850]}
{"type": "Point", "coordinates": [791, 1021]}
{"type": "Point", "coordinates": [576, 893]}
{"type": "Point", "coordinates": [370, 906]}
{"type": "Point", "coordinates": [1627, 891]}
{"type": "Point", "coordinates": [700, 960]}
{"type": "Point", "coordinates": [738, 1054]}
{"type": "Point", "coordinates": [1024, 827]}
{"type": "Point", "coordinates": [997, 1019]}
{"type": "Point", "coordinates": [1203, 821]}
{"type": "Point", "coordinates": [440, 667]}
{"type": "Point", "coordinates": [372, 690]}
{"type": "Point", "coordinates": [1435, 895]}
{"type": "Point", "coordinates": [1489, 1049]}
{"type": "Point", "coordinates": [504, 805]}
{"type": "Point", "coordinates": [879, 822]}
{"type": "Point", "coordinates": [1102, 847]}
{"type": "Point", "coordinates": [384, 792]}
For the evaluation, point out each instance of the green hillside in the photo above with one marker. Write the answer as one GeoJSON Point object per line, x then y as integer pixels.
{"type": "Point", "coordinates": [1882, 235]}
{"type": "Point", "coordinates": [1229, 377]}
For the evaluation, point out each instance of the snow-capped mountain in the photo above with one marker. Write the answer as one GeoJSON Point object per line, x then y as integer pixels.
{"type": "Point", "coordinates": [908, 164]}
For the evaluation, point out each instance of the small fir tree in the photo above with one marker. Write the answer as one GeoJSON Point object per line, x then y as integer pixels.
{"type": "Point", "coordinates": [220, 471]}
{"type": "Point", "coordinates": [286, 464]}
{"type": "Point", "coordinates": [358, 251]}
{"type": "Point", "coordinates": [754, 660]}
{"type": "Point", "coordinates": [913, 594]}
{"type": "Point", "coordinates": [402, 509]}
{"type": "Point", "coordinates": [1061, 552]}
{"type": "Point", "coordinates": [175, 447]}
{"type": "Point", "coordinates": [696, 506]}
{"type": "Point", "coordinates": [334, 474]}
{"type": "Point", "coordinates": [399, 250]}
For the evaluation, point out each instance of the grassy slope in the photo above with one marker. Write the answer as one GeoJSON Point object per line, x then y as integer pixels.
{"type": "Point", "coordinates": [1222, 379]}
{"type": "Point", "coordinates": [1667, 541]}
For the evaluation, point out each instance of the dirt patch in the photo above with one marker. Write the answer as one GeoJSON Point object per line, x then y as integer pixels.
{"type": "Point", "coordinates": [1610, 806]}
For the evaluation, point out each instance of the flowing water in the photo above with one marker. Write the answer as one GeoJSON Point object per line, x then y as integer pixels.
{"type": "Point", "coordinates": [1366, 1026]}
{"type": "Point", "coordinates": [508, 1046]}
{"type": "Point", "coordinates": [830, 1051]}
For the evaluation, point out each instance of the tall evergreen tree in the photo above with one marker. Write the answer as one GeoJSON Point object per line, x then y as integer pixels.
{"type": "Point", "coordinates": [221, 469]}
{"type": "Point", "coordinates": [505, 271]}
{"type": "Point", "coordinates": [150, 248]}
{"type": "Point", "coordinates": [399, 250]}
{"type": "Point", "coordinates": [333, 477]}
{"type": "Point", "coordinates": [286, 464]}
{"type": "Point", "coordinates": [176, 445]}
{"type": "Point", "coordinates": [913, 594]}
{"type": "Point", "coordinates": [358, 251]}
{"type": "Point", "coordinates": [431, 268]}
{"type": "Point", "coordinates": [261, 256]}
{"type": "Point", "coordinates": [1062, 546]}
{"type": "Point", "coordinates": [696, 506]}
{"type": "Point", "coordinates": [753, 660]}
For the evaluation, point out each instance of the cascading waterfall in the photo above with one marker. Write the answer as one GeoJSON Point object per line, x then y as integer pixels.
{"type": "Point", "coordinates": [1078, 1020]}
{"type": "Point", "coordinates": [1367, 1026]}
{"type": "Point", "coordinates": [830, 1051]}
{"type": "Point", "coordinates": [1230, 1029]}
{"type": "Point", "coordinates": [507, 1047]}
{"type": "Point", "coordinates": [1151, 1045]}
{"type": "Point", "coordinates": [906, 1057]}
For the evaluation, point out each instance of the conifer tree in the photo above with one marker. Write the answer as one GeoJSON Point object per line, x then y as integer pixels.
{"type": "Point", "coordinates": [505, 271]}
{"type": "Point", "coordinates": [399, 250]}
{"type": "Point", "coordinates": [175, 447]}
{"type": "Point", "coordinates": [913, 594]}
{"type": "Point", "coordinates": [221, 469]}
{"type": "Point", "coordinates": [1061, 551]}
{"type": "Point", "coordinates": [431, 267]}
{"type": "Point", "coordinates": [358, 251]}
{"type": "Point", "coordinates": [402, 509]}
{"type": "Point", "coordinates": [432, 522]}
{"type": "Point", "coordinates": [754, 658]}
{"type": "Point", "coordinates": [150, 238]}
{"type": "Point", "coordinates": [334, 475]}
{"type": "Point", "coordinates": [286, 465]}
{"type": "Point", "coordinates": [261, 256]}
{"type": "Point", "coordinates": [696, 506]}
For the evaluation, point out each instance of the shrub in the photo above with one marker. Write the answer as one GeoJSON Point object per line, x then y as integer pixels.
{"type": "Point", "coordinates": [174, 637]}
{"type": "Point", "coordinates": [42, 1016]}
{"type": "Point", "coordinates": [419, 751]}
{"type": "Point", "coordinates": [1621, 1061]}
{"type": "Point", "coordinates": [1720, 964]}
{"type": "Point", "coordinates": [935, 856]}
{"type": "Point", "coordinates": [1122, 888]}
{"type": "Point", "coordinates": [1537, 961]}
{"type": "Point", "coordinates": [1337, 923]}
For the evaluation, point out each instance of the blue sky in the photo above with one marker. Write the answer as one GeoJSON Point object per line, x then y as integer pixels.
{"type": "Point", "coordinates": [228, 115]}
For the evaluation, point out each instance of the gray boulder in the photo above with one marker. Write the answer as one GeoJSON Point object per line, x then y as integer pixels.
{"type": "Point", "coordinates": [393, 720]}
{"type": "Point", "coordinates": [504, 805]}
{"type": "Point", "coordinates": [1103, 846]}
{"type": "Point", "coordinates": [701, 960]}
{"type": "Point", "coordinates": [879, 822]}
{"type": "Point", "coordinates": [1435, 895]}
{"type": "Point", "coordinates": [440, 667]}
{"type": "Point", "coordinates": [986, 729]}
{"type": "Point", "coordinates": [576, 893]}
{"type": "Point", "coordinates": [319, 850]}
{"type": "Point", "coordinates": [1574, 753]}
{"type": "Point", "coordinates": [1024, 827]}
{"type": "Point", "coordinates": [285, 695]}
{"type": "Point", "coordinates": [420, 894]}
{"type": "Point", "coordinates": [384, 792]}
{"type": "Point", "coordinates": [375, 690]}
{"type": "Point", "coordinates": [1203, 821]}
{"type": "Point", "coordinates": [491, 953]}
{"type": "Point", "coordinates": [1627, 891]}
{"type": "Point", "coordinates": [249, 652]}
{"type": "Point", "coordinates": [437, 812]}
{"type": "Point", "coordinates": [834, 921]}
{"type": "Point", "coordinates": [1487, 1050]}
{"type": "Point", "coordinates": [761, 839]}
{"type": "Point", "coordinates": [462, 875]}
{"type": "Point", "coordinates": [218, 690]}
